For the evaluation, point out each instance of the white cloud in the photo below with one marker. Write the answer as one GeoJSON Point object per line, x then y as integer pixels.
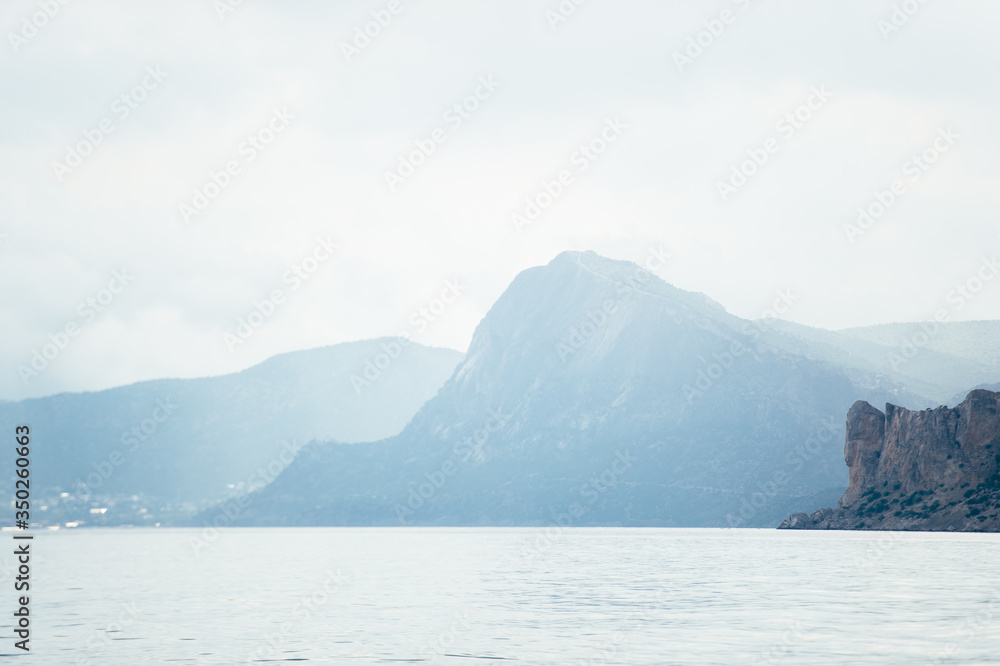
{"type": "Point", "coordinates": [325, 173]}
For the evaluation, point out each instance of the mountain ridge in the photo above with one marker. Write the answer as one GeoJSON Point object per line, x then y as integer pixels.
{"type": "Point", "coordinates": [633, 344]}
{"type": "Point", "coordinates": [105, 447]}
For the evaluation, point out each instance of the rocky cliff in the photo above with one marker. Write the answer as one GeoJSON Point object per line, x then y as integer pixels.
{"type": "Point", "coordinates": [935, 469]}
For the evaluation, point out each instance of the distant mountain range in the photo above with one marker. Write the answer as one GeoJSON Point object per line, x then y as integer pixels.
{"type": "Point", "coordinates": [595, 393]}
{"type": "Point", "coordinates": [160, 449]}
{"type": "Point", "coordinates": [592, 393]}
{"type": "Point", "coordinates": [940, 361]}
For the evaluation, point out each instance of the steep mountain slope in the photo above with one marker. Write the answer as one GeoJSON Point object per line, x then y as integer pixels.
{"type": "Point", "coordinates": [185, 441]}
{"type": "Point", "coordinates": [929, 470]}
{"type": "Point", "coordinates": [595, 393]}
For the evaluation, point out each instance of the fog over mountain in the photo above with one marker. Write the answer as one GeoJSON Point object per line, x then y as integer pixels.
{"type": "Point", "coordinates": [939, 360]}
{"type": "Point", "coordinates": [595, 393]}
{"type": "Point", "coordinates": [592, 390]}
{"type": "Point", "coordinates": [184, 442]}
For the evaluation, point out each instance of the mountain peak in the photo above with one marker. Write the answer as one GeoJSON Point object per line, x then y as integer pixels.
{"type": "Point", "coordinates": [627, 275]}
{"type": "Point", "coordinates": [616, 270]}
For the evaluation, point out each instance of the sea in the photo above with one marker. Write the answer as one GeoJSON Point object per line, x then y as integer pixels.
{"type": "Point", "coordinates": [468, 596]}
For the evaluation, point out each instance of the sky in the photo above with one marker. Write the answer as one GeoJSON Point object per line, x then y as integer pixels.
{"type": "Point", "coordinates": [189, 188]}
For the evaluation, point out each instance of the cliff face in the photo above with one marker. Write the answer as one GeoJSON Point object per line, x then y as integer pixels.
{"type": "Point", "coordinates": [936, 469]}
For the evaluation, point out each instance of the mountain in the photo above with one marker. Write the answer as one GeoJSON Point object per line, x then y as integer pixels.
{"type": "Point", "coordinates": [977, 342]}
{"type": "Point", "coordinates": [936, 360]}
{"type": "Point", "coordinates": [178, 445]}
{"type": "Point", "coordinates": [919, 470]}
{"type": "Point", "coordinates": [989, 387]}
{"type": "Point", "coordinates": [595, 393]}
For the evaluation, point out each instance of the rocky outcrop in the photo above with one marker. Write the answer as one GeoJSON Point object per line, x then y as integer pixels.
{"type": "Point", "coordinates": [935, 469]}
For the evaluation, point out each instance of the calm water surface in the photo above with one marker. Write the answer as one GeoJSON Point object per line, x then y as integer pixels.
{"type": "Point", "coordinates": [518, 596]}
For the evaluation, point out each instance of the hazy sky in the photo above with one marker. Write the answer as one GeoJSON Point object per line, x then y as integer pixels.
{"type": "Point", "coordinates": [310, 129]}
